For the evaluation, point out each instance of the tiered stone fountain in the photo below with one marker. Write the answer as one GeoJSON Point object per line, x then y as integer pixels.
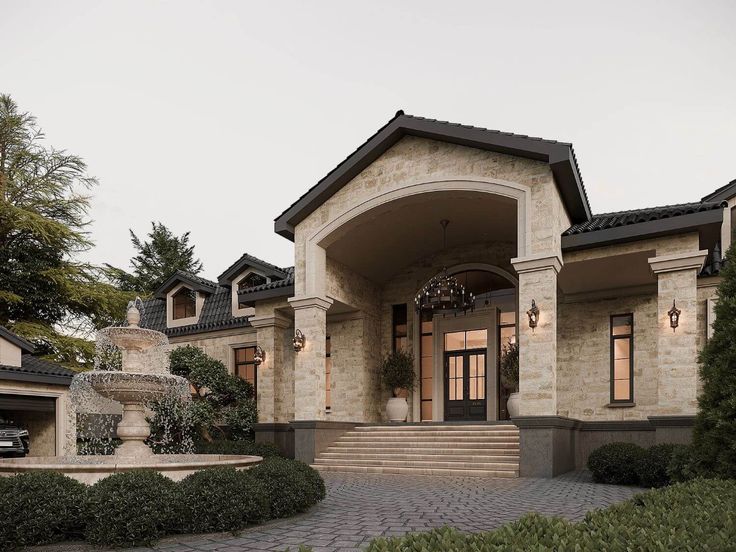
{"type": "Point", "coordinates": [139, 381]}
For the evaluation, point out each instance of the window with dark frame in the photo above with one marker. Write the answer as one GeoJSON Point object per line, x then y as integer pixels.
{"type": "Point", "coordinates": [426, 366]}
{"type": "Point", "coordinates": [328, 374]}
{"type": "Point", "coordinates": [399, 332]}
{"type": "Point", "coordinates": [622, 358]}
{"type": "Point", "coordinates": [184, 303]}
{"type": "Point", "coordinates": [246, 367]}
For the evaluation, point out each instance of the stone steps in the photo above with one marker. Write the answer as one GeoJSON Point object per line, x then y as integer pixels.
{"type": "Point", "coordinates": [487, 450]}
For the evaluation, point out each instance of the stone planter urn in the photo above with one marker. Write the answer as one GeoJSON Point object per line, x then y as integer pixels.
{"type": "Point", "coordinates": [397, 409]}
{"type": "Point", "coordinates": [512, 405]}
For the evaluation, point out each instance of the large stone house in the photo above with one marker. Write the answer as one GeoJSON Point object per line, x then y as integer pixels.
{"type": "Point", "coordinates": [621, 302]}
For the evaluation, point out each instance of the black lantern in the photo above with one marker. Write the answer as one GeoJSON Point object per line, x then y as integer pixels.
{"type": "Point", "coordinates": [533, 314]}
{"type": "Point", "coordinates": [298, 340]}
{"type": "Point", "coordinates": [674, 314]}
{"type": "Point", "coordinates": [443, 293]}
{"type": "Point", "coordinates": [259, 355]}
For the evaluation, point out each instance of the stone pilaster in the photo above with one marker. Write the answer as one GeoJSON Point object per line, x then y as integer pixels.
{"type": "Point", "coordinates": [270, 336]}
{"type": "Point", "coordinates": [677, 348]}
{"type": "Point", "coordinates": [538, 346]}
{"type": "Point", "coordinates": [310, 316]}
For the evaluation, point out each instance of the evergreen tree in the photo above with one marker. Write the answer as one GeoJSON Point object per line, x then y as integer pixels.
{"type": "Point", "coordinates": [46, 294]}
{"type": "Point", "coordinates": [157, 258]}
{"type": "Point", "coordinates": [714, 441]}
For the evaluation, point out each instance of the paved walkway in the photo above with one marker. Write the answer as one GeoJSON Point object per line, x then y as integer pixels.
{"type": "Point", "coordinates": [360, 507]}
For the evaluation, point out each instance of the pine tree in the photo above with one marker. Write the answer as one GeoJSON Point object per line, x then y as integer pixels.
{"type": "Point", "coordinates": [46, 294]}
{"type": "Point", "coordinates": [714, 440]}
{"type": "Point", "coordinates": [157, 258]}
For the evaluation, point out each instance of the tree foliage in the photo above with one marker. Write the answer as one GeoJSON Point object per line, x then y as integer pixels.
{"type": "Point", "coordinates": [157, 258]}
{"type": "Point", "coordinates": [223, 405]}
{"type": "Point", "coordinates": [46, 293]}
{"type": "Point", "coordinates": [714, 441]}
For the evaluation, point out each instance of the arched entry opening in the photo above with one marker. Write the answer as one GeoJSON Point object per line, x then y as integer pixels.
{"type": "Point", "coordinates": [458, 354]}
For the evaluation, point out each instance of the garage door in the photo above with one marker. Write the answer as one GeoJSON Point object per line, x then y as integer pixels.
{"type": "Point", "coordinates": [37, 415]}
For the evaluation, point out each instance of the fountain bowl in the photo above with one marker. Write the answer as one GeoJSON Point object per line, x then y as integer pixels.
{"type": "Point", "coordinates": [90, 469]}
{"type": "Point", "coordinates": [133, 338]}
{"type": "Point", "coordinates": [132, 387]}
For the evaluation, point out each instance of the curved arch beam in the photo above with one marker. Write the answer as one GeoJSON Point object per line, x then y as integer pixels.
{"type": "Point", "coordinates": [478, 266]}
{"type": "Point", "coordinates": [332, 230]}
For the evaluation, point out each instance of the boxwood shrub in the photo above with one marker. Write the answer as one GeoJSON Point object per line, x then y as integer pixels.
{"type": "Point", "coordinates": [222, 499]}
{"type": "Point", "coordinates": [682, 464]}
{"type": "Point", "coordinates": [131, 508]}
{"type": "Point", "coordinates": [616, 463]}
{"type": "Point", "coordinates": [652, 467]}
{"type": "Point", "coordinates": [39, 508]}
{"type": "Point", "coordinates": [696, 516]}
{"type": "Point", "coordinates": [291, 486]}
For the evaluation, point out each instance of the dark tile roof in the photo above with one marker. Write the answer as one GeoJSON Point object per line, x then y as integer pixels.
{"type": "Point", "coordinates": [727, 191]}
{"type": "Point", "coordinates": [249, 260]}
{"type": "Point", "coordinates": [216, 315]}
{"type": "Point", "coordinates": [606, 221]}
{"type": "Point", "coordinates": [25, 345]}
{"type": "Point", "coordinates": [37, 369]}
{"type": "Point", "coordinates": [273, 284]}
{"type": "Point", "coordinates": [197, 282]}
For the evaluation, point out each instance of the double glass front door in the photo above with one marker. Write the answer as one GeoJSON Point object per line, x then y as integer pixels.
{"type": "Point", "coordinates": [465, 375]}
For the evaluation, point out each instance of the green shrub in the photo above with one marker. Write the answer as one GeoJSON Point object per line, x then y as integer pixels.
{"type": "Point", "coordinates": [615, 463]}
{"type": "Point", "coordinates": [223, 446]}
{"type": "Point", "coordinates": [681, 467]}
{"type": "Point", "coordinates": [222, 499]}
{"type": "Point", "coordinates": [714, 434]}
{"type": "Point", "coordinates": [130, 508]}
{"type": "Point", "coordinates": [291, 486]}
{"type": "Point", "coordinates": [695, 516]}
{"type": "Point", "coordinates": [652, 467]}
{"type": "Point", "coordinates": [39, 508]}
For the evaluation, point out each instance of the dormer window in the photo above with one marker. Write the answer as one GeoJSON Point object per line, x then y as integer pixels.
{"type": "Point", "coordinates": [251, 280]}
{"type": "Point", "coordinates": [184, 303]}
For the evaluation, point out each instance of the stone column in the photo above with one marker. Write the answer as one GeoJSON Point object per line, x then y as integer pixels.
{"type": "Point", "coordinates": [310, 316]}
{"type": "Point", "coordinates": [538, 346]}
{"type": "Point", "coordinates": [270, 337]}
{"type": "Point", "coordinates": [677, 349]}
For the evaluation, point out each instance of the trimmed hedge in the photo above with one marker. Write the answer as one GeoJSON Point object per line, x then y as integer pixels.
{"type": "Point", "coordinates": [39, 508]}
{"type": "Point", "coordinates": [222, 499]}
{"type": "Point", "coordinates": [291, 486]}
{"type": "Point", "coordinates": [130, 509]}
{"type": "Point", "coordinates": [138, 507]}
{"type": "Point", "coordinates": [653, 464]}
{"type": "Point", "coordinates": [695, 516]}
{"type": "Point", "coordinates": [616, 463]}
{"type": "Point", "coordinates": [682, 464]}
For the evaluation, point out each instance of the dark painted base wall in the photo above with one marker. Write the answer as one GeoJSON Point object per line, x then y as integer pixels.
{"type": "Point", "coordinates": [553, 445]}
{"type": "Point", "coordinates": [302, 440]}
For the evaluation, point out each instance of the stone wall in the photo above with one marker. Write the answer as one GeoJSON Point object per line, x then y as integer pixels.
{"type": "Point", "coordinates": [219, 345]}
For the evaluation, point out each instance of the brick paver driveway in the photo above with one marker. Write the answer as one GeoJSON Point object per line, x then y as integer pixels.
{"type": "Point", "coordinates": [359, 507]}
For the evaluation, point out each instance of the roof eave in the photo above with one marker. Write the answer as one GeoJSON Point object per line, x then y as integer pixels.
{"type": "Point", "coordinates": [642, 230]}
{"type": "Point", "coordinates": [177, 277]}
{"type": "Point", "coordinates": [35, 378]}
{"type": "Point", "coordinates": [558, 155]}
{"type": "Point", "coordinates": [251, 298]}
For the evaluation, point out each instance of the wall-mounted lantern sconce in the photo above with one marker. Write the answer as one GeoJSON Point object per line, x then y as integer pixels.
{"type": "Point", "coordinates": [674, 314]}
{"type": "Point", "coordinates": [533, 314]}
{"type": "Point", "coordinates": [259, 355]}
{"type": "Point", "coordinates": [298, 340]}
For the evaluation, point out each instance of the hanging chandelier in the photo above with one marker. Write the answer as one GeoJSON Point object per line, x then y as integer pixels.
{"type": "Point", "coordinates": [443, 293]}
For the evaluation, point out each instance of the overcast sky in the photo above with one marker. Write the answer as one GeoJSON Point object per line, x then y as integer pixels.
{"type": "Point", "coordinates": [214, 117]}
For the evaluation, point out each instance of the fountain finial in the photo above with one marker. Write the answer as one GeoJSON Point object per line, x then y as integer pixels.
{"type": "Point", "coordinates": [133, 314]}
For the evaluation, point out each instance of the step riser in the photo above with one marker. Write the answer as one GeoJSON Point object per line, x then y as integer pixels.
{"type": "Point", "coordinates": [462, 440]}
{"type": "Point", "coordinates": [421, 457]}
{"type": "Point", "coordinates": [425, 444]}
{"type": "Point", "coordinates": [418, 471]}
{"type": "Point", "coordinates": [418, 464]}
{"type": "Point", "coordinates": [477, 451]}
{"type": "Point", "coordinates": [430, 434]}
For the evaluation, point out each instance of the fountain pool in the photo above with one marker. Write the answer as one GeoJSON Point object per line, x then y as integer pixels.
{"type": "Point", "coordinates": [143, 376]}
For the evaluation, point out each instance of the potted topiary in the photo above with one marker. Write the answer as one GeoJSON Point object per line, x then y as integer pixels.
{"type": "Point", "coordinates": [397, 375]}
{"type": "Point", "coordinates": [510, 376]}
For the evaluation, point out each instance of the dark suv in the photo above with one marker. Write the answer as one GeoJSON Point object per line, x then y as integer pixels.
{"type": "Point", "coordinates": [13, 440]}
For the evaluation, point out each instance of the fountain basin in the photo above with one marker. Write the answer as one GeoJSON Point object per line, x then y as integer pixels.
{"type": "Point", "coordinates": [131, 387]}
{"type": "Point", "coordinates": [133, 338]}
{"type": "Point", "coordinates": [90, 469]}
